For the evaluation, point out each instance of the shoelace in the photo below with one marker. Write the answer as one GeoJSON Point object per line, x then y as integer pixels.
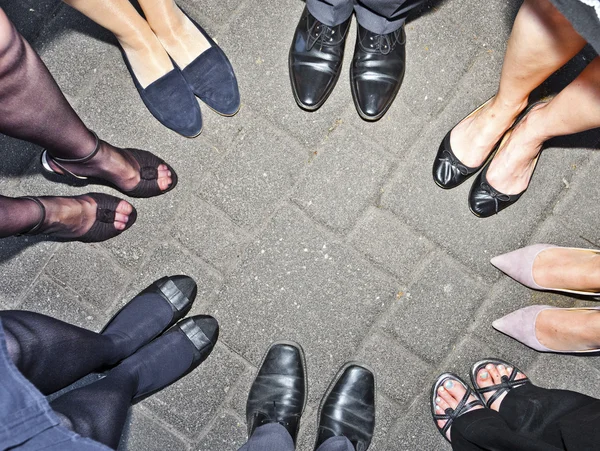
{"type": "Point", "coordinates": [381, 42]}
{"type": "Point", "coordinates": [320, 32]}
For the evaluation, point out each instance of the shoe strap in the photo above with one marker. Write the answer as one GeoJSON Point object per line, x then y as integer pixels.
{"type": "Point", "coordinates": [451, 414]}
{"type": "Point", "coordinates": [35, 229]}
{"type": "Point", "coordinates": [57, 161]}
{"type": "Point", "coordinates": [507, 384]}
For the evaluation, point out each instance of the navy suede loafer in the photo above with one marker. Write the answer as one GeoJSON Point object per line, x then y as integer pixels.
{"type": "Point", "coordinates": [211, 78]}
{"type": "Point", "coordinates": [171, 101]}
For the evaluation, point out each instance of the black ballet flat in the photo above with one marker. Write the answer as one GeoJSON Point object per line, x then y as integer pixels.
{"type": "Point", "coordinates": [448, 171]}
{"type": "Point", "coordinates": [148, 162]}
{"type": "Point", "coordinates": [103, 227]}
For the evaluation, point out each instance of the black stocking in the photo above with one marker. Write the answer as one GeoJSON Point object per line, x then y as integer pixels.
{"type": "Point", "coordinates": [53, 354]}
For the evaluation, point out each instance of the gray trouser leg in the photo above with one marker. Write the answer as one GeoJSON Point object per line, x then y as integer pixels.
{"type": "Point", "coordinates": [336, 444]}
{"type": "Point", "coordinates": [382, 16]}
{"type": "Point", "coordinates": [330, 12]}
{"type": "Point", "coordinates": [270, 437]}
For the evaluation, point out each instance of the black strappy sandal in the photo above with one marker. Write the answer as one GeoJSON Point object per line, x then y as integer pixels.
{"type": "Point", "coordinates": [148, 162]}
{"type": "Point", "coordinates": [102, 229]}
{"type": "Point", "coordinates": [507, 384]}
{"type": "Point", "coordinates": [452, 414]}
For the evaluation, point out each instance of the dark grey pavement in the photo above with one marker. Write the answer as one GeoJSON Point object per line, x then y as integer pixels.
{"type": "Point", "coordinates": [314, 227]}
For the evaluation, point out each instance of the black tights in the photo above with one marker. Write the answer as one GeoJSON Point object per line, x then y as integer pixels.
{"type": "Point", "coordinates": [52, 354]}
{"type": "Point", "coordinates": [531, 419]}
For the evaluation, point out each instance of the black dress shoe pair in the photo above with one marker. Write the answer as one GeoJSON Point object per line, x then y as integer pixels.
{"type": "Point", "coordinates": [315, 63]}
{"type": "Point", "coordinates": [279, 393]}
{"type": "Point", "coordinates": [152, 341]}
{"type": "Point", "coordinates": [172, 98]}
{"type": "Point", "coordinates": [449, 172]}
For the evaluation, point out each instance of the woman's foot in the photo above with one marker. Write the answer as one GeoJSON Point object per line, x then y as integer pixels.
{"type": "Point", "coordinates": [73, 217]}
{"type": "Point", "coordinates": [117, 166]}
{"type": "Point", "coordinates": [449, 395]}
{"type": "Point", "coordinates": [568, 329]}
{"type": "Point", "coordinates": [493, 374]}
{"type": "Point", "coordinates": [512, 167]}
{"type": "Point", "coordinates": [180, 37]}
{"type": "Point", "coordinates": [568, 269]}
{"type": "Point", "coordinates": [474, 138]}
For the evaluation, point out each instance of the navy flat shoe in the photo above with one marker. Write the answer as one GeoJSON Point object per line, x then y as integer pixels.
{"type": "Point", "coordinates": [211, 77]}
{"type": "Point", "coordinates": [171, 101]}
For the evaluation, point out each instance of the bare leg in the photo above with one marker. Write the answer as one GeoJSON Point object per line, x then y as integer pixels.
{"type": "Point", "coordinates": [178, 35]}
{"type": "Point", "coordinates": [148, 58]}
{"type": "Point", "coordinates": [575, 109]}
{"type": "Point", "coordinates": [568, 330]}
{"type": "Point", "coordinates": [569, 269]}
{"type": "Point", "coordinates": [542, 41]}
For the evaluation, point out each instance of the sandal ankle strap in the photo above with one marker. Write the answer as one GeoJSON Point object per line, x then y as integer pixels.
{"type": "Point", "coordinates": [35, 229]}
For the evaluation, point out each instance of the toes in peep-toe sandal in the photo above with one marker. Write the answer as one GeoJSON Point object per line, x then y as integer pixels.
{"type": "Point", "coordinates": [507, 384]}
{"type": "Point", "coordinates": [103, 227]}
{"type": "Point", "coordinates": [147, 161]}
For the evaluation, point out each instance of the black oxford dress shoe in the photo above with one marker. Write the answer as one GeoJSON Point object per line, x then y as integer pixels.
{"type": "Point", "coordinates": [377, 71]}
{"type": "Point", "coordinates": [315, 60]}
{"type": "Point", "coordinates": [348, 408]}
{"type": "Point", "coordinates": [278, 394]}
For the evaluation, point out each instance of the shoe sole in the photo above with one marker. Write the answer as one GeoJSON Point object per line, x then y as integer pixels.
{"type": "Point", "coordinates": [302, 361]}
{"type": "Point", "coordinates": [325, 97]}
{"type": "Point", "coordinates": [332, 385]}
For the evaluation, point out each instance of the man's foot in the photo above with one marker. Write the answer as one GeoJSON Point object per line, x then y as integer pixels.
{"type": "Point", "coordinates": [449, 401]}
{"type": "Point", "coordinates": [278, 394]}
{"type": "Point", "coordinates": [474, 138]}
{"type": "Point", "coordinates": [315, 59]}
{"type": "Point", "coordinates": [74, 217]}
{"type": "Point", "coordinates": [377, 71]}
{"type": "Point", "coordinates": [568, 269]}
{"type": "Point", "coordinates": [491, 378]}
{"type": "Point", "coordinates": [150, 313]}
{"type": "Point", "coordinates": [348, 408]}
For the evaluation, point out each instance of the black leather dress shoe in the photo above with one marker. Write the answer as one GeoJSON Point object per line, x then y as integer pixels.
{"type": "Point", "coordinates": [377, 71]}
{"type": "Point", "coordinates": [315, 60]}
{"type": "Point", "coordinates": [278, 394]}
{"type": "Point", "coordinates": [448, 171]}
{"type": "Point", "coordinates": [348, 408]}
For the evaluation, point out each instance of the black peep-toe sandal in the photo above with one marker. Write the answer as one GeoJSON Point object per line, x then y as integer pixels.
{"type": "Point", "coordinates": [507, 384]}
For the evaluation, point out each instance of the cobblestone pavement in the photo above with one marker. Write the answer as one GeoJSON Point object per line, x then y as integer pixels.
{"type": "Point", "coordinates": [315, 227]}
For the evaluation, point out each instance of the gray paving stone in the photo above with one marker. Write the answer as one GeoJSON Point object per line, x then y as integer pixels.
{"type": "Point", "coordinates": [190, 404]}
{"type": "Point", "coordinates": [29, 16]}
{"type": "Point", "coordinates": [260, 59]}
{"type": "Point", "coordinates": [435, 306]}
{"type": "Point", "coordinates": [416, 430]}
{"type": "Point", "coordinates": [144, 432]}
{"type": "Point", "coordinates": [329, 191]}
{"type": "Point", "coordinates": [16, 157]}
{"type": "Point", "coordinates": [89, 273]}
{"type": "Point", "coordinates": [577, 207]}
{"type": "Point", "coordinates": [255, 175]}
{"type": "Point", "coordinates": [74, 70]}
{"type": "Point", "coordinates": [220, 241]}
{"type": "Point", "coordinates": [228, 433]}
{"type": "Point", "coordinates": [553, 371]}
{"type": "Point", "coordinates": [21, 261]}
{"type": "Point", "coordinates": [267, 297]}
{"type": "Point", "coordinates": [388, 242]}
{"type": "Point", "coordinates": [239, 393]}
{"type": "Point", "coordinates": [50, 299]}
{"type": "Point", "coordinates": [168, 259]}
{"type": "Point", "coordinates": [217, 11]}
{"type": "Point", "coordinates": [398, 371]}
{"type": "Point", "coordinates": [444, 217]}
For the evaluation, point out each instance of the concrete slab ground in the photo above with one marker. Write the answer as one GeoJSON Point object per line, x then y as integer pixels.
{"type": "Point", "coordinates": [314, 227]}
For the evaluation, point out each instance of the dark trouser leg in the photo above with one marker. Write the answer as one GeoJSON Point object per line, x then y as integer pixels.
{"type": "Point", "coordinates": [384, 16]}
{"type": "Point", "coordinates": [558, 417]}
{"type": "Point", "coordinates": [330, 12]}
{"type": "Point", "coordinates": [486, 430]}
{"type": "Point", "coordinates": [52, 354]}
{"type": "Point", "coordinates": [270, 437]}
{"type": "Point", "coordinates": [336, 444]}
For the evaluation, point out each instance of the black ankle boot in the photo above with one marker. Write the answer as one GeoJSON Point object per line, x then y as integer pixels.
{"type": "Point", "coordinates": [278, 394]}
{"type": "Point", "coordinates": [348, 408]}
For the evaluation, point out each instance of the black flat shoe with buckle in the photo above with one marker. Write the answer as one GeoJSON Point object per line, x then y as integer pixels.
{"type": "Point", "coordinates": [315, 60]}
{"type": "Point", "coordinates": [377, 71]}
